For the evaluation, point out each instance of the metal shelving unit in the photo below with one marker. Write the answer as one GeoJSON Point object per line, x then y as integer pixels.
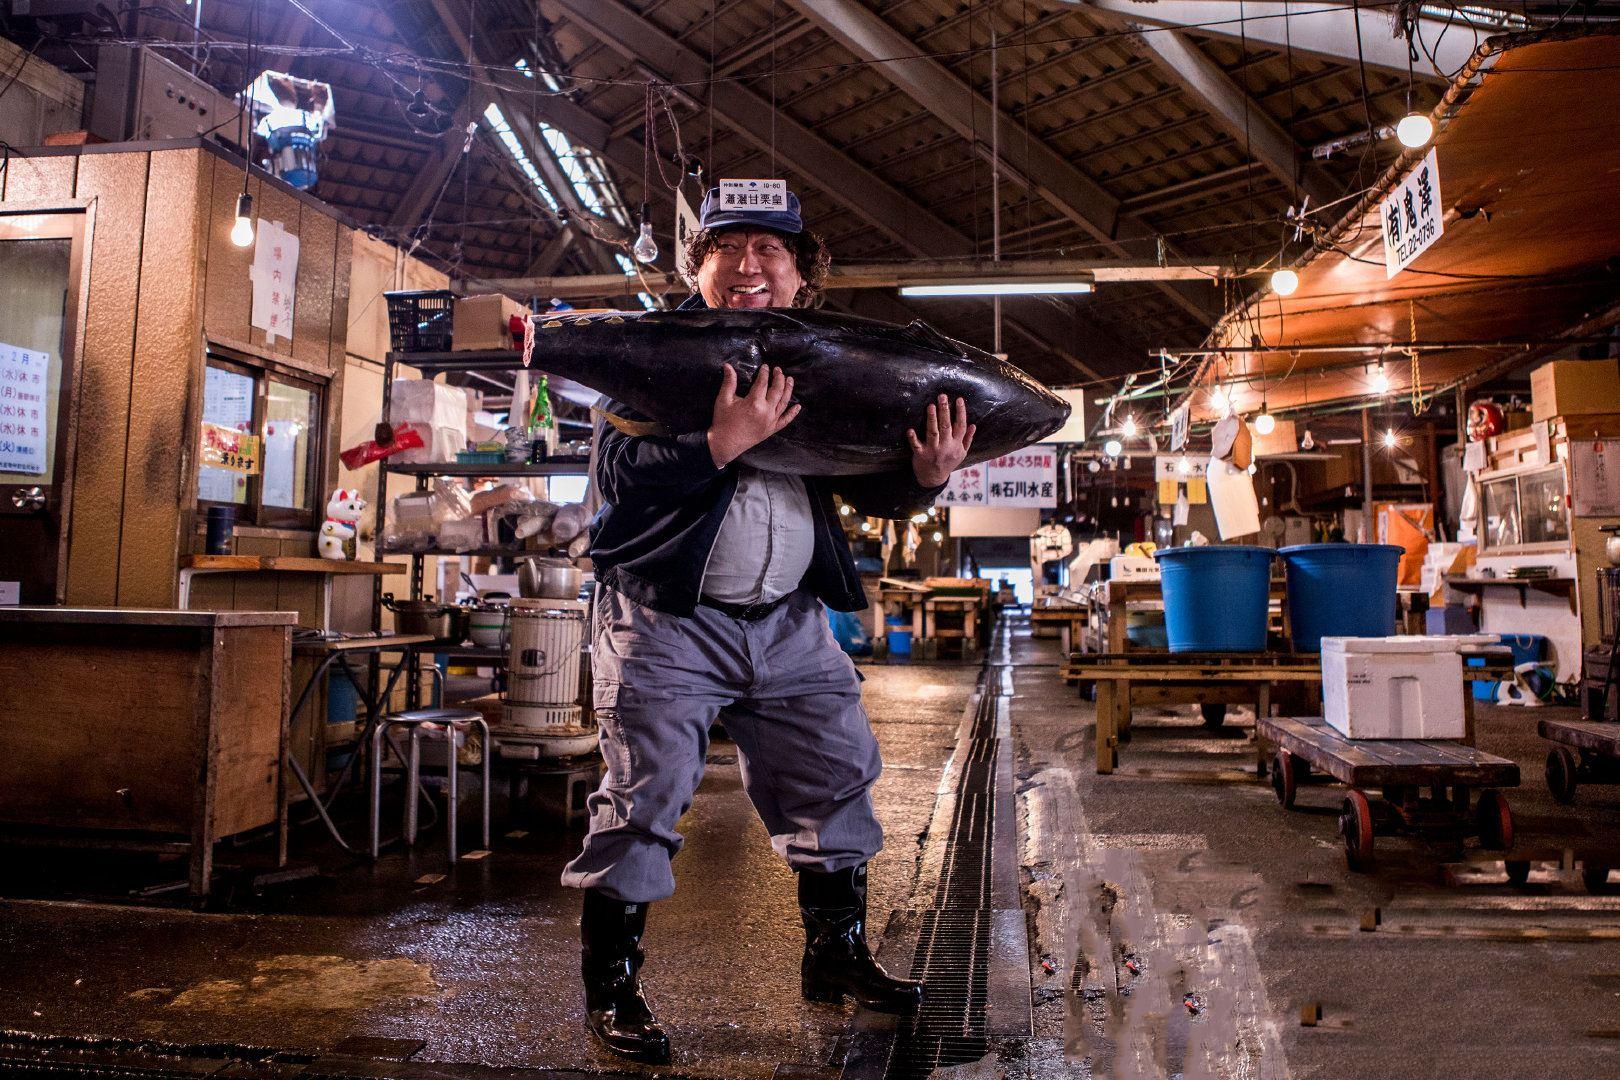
{"type": "Point", "coordinates": [432, 365]}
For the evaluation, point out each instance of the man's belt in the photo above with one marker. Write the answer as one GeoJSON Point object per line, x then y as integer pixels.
{"type": "Point", "coordinates": [745, 612]}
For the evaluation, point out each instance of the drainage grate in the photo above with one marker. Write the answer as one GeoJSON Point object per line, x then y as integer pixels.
{"type": "Point", "coordinates": [953, 949]}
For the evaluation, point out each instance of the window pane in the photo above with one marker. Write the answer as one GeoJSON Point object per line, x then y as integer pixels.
{"type": "Point", "coordinates": [33, 316]}
{"type": "Point", "coordinates": [290, 418]}
{"type": "Point", "coordinates": [1541, 497]}
{"type": "Point", "coordinates": [228, 402]}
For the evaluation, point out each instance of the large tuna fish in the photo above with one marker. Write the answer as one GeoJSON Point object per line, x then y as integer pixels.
{"type": "Point", "coordinates": [862, 383]}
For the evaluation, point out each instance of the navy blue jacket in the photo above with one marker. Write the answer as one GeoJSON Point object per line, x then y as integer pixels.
{"type": "Point", "coordinates": [664, 501]}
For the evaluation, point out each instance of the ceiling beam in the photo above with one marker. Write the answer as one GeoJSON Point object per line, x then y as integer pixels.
{"type": "Point", "coordinates": [893, 275]}
{"type": "Point", "coordinates": [1235, 112]}
{"type": "Point", "coordinates": [904, 220]}
{"type": "Point", "coordinates": [1030, 162]}
{"type": "Point", "coordinates": [480, 94]}
{"type": "Point", "coordinates": [448, 151]}
{"type": "Point", "coordinates": [1326, 31]}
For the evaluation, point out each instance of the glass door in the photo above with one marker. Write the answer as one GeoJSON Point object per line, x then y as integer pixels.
{"type": "Point", "coordinates": [41, 257]}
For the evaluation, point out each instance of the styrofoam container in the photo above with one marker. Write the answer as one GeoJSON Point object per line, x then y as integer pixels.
{"type": "Point", "coordinates": [1133, 567]}
{"type": "Point", "coordinates": [1393, 687]}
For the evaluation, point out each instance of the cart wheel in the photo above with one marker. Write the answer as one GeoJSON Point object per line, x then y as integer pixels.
{"type": "Point", "coordinates": [1495, 821]}
{"type": "Point", "coordinates": [1285, 778]}
{"type": "Point", "coordinates": [1518, 872]}
{"type": "Point", "coordinates": [1214, 714]}
{"type": "Point", "coordinates": [1561, 765]}
{"type": "Point", "coordinates": [1356, 826]}
{"type": "Point", "coordinates": [1595, 876]}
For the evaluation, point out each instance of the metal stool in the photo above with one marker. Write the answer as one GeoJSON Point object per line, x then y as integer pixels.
{"type": "Point", "coordinates": [430, 723]}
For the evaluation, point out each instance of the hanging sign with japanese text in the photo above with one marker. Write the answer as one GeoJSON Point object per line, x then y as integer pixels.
{"type": "Point", "coordinates": [275, 279]}
{"type": "Point", "coordinates": [1027, 478]}
{"type": "Point", "coordinates": [759, 196]}
{"type": "Point", "coordinates": [24, 426]}
{"type": "Point", "coordinates": [227, 448]}
{"type": "Point", "coordinates": [1412, 216]}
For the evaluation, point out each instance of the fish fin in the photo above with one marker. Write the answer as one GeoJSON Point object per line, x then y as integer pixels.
{"type": "Point", "coordinates": [632, 427]}
{"type": "Point", "coordinates": [923, 334]}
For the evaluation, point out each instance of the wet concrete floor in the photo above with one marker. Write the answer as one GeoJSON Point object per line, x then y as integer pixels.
{"type": "Point", "coordinates": [1180, 923]}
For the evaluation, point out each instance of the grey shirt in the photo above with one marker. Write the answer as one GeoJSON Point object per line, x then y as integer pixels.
{"type": "Point", "coordinates": [765, 542]}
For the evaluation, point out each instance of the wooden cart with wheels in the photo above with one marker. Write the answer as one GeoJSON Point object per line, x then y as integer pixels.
{"type": "Point", "coordinates": [1584, 752]}
{"type": "Point", "coordinates": [1425, 785]}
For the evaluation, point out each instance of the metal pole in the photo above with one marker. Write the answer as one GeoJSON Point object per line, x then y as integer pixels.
{"type": "Point", "coordinates": [995, 172]}
{"type": "Point", "coordinates": [1366, 477]}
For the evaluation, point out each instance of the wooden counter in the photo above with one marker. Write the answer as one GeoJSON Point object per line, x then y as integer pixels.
{"type": "Point", "coordinates": [133, 723]}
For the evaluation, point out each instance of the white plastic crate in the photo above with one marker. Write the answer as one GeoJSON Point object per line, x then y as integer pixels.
{"type": "Point", "coordinates": [1393, 687]}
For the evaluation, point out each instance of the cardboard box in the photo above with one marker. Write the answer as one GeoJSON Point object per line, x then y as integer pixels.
{"type": "Point", "coordinates": [1574, 387]}
{"type": "Point", "coordinates": [481, 322]}
{"type": "Point", "coordinates": [1282, 440]}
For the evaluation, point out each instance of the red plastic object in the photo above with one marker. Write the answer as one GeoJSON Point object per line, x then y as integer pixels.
{"type": "Point", "coordinates": [406, 437]}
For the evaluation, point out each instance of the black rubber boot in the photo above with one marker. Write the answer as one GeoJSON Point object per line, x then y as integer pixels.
{"type": "Point", "coordinates": [837, 961]}
{"type": "Point", "coordinates": [610, 960]}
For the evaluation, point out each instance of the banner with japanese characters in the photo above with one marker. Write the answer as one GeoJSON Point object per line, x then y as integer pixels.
{"type": "Point", "coordinates": [1027, 478]}
{"type": "Point", "coordinates": [275, 279]}
{"type": "Point", "coordinates": [24, 426]}
{"type": "Point", "coordinates": [227, 448]}
{"type": "Point", "coordinates": [1412, 216]}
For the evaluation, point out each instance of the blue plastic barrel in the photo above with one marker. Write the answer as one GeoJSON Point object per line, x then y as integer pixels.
{"type": "Point", "coordinates": [899, 642]}
{"type": "Point", "coordinates": [1340, 590]}
{"type": "Point", "coordinates": [1215, 597]}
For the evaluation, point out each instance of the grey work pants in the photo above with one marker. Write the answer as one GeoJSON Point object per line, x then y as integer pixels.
{"type": "Point", "coordinates": [792, 704]}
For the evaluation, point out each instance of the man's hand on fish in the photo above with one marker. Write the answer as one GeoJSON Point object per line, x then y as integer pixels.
{"type": "Point", "coordinates": [743, 421]}
{"type": "Point", "coordinates": [945, 444]}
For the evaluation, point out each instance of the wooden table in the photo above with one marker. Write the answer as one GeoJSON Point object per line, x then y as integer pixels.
{"type": "Point", "coordinates": [146, 730]}
{"type": "Point", "coordinates": [1068, 616]}
{"type": "Point", "coordinates": [1401, 769]}
{"type": "Point", "coordinates": [1125, 680]}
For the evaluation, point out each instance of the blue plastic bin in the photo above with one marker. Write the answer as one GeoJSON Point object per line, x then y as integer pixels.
{"type": "Point", "coordinates": [899, 642]}
{"type": "Point", "coordinates": [1340, 590]}
{"type": "Point", "coordinates": [1215, 597]}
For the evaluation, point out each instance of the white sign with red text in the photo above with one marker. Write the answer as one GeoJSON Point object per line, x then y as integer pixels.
{"type": "Point", "coordinates": [1027, 478]}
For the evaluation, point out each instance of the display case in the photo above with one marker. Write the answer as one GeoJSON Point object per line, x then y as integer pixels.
{"type": "Point", "coordinates": [1525, 511]}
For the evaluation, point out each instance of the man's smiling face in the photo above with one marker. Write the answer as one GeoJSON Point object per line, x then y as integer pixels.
{"type": "Point", "coordinates": [749, 268]}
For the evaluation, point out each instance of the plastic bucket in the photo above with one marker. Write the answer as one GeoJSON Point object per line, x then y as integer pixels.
{"type": "Point", "coordinates": [1527, 649]}
{"type": "Point", "coordinates": [1340, 590]}
{"type": "Point", "coordinates": [1215, 597]}
{"type": "Point", "coordinates": [899, 642]}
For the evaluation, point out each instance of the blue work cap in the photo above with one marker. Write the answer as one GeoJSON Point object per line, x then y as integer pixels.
{"type": "Point", "coordinates": [715, 216]}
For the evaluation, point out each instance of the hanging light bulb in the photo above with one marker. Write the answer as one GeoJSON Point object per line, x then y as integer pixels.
{"type": "Point", "coordinates": [1220, 401]}
{"type": "Point", "coordinates": [645, 249]}
{"type": "Point", "coordinates": [918, 519]}
{"type": "Point", "coordinates": [1129, 428]}
{"type": "Point", "coordinates": [1126, 500]}
{"type": "Point", "coordinates": [1252, 469]}
{"type": "Point", "coordinates": [1389, 439]}
{"type": "Point", "coordinates": [844, 510]}
{"type": "Point", "coordinates": [938, 536]}
{"type": "Point", "coordinates": [1113, 447]}
{"type": "Point", "coordinates": [242, 231]}
{"type": "Point", "coordinates": [1284, 282]}
{"type": "Point", "coordinates": [1114, 502]}
{"type": "Point", "coordinates": [1183, 466]}
{"type": "Point", "coordinates": [1308, 442]}
{"type": "Point", "coordinates": [1126, 463]}
{"type": "Point", "coordinates": [1094, 465]}
{"type": "Point", "coordinates": [1380, 380]}
{"type": "Point", "coordinates": [1265, 423]}
{"type": "Point", "coordinates": [1414, 130]}
{"type": "Point", "coordinates": [866, 526]}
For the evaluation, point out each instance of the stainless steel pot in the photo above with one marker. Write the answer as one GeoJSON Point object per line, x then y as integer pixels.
{"type": "Point", "coordinates": [550, 581]}
{"type": "Point", "coordinates": [420, 617]}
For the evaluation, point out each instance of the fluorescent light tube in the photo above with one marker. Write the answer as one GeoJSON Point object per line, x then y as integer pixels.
{"type": "Point", "coordinates": [1020, 288]}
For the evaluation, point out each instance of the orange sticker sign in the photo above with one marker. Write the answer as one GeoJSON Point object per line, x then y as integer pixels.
{"type": "Point", "coordinates": [227, 448]}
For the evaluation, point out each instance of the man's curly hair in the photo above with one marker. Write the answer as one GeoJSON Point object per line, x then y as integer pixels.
{"type": "Point", "coordinates": [810, 257]}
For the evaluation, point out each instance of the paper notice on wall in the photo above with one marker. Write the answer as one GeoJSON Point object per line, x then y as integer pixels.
{"type": "Point", "coordinates": [275, 279]}
{"type": "Point", "coordinates": [227, 448]}
{"type": "Point", "coordinates": [1475, 457]}
{"type": "Point", "coordinates": [1595, 474]}
{"type": "Point", "coordinates": [1027, 478]}
{"type": "Point", "coordinates": [24, 422]}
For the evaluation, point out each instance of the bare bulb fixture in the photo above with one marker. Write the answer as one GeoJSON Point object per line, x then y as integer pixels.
{"type": "Point", "coordinates": [1308, 442]}
{"type": "Point", "coordinates": [1184, 467]}
{"type": "Point", "coordinates": [1094, 466]}
{"type": "Point", "coordinates": [1220, 401]}
{"type": "Point", "coordinates": [1380, 381]}
{"type": "Point", "coordinates": [242, 231]}
{"type": "Point", "coordinates": [1129, 427]}
{"type": "Point", "coordinates": [1113, 447]}
{"type": "Point", "coordinates": [938, 536]}
{"type": "Point", "coordinates": [1414, 130]}
{"type": "Point", "coordinates": [1284, 282]}
{"type": "Point", "coordinates": [1126, 463]}
{"type": "Point", "coordinates": [1389, 439]}
{"type": "Point", "coordinates": [1265, 423]}
{"type": "Point", "coordinates": [866, 526]}
{"type": "Point", "coordinates": [1114, 502]}
{"type": "Point", "coordinates": [845, 510]}
{"type": "Point", "coordinates": [645, 249]}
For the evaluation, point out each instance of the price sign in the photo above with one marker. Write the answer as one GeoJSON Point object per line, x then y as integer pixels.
{"type": "Point", "coordinates": [227, 448]}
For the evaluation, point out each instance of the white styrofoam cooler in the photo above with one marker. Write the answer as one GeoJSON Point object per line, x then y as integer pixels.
{"type": "Point", "coordinates": [1393, 687]}
{"type": "Point", "coordinates": [1133, 568]}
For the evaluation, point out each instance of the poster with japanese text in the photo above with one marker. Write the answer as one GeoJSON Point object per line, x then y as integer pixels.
{"type": "Point", "coordinates": [24, 421]}
{"type": "Point", "coordinates": [1027, 478]}
{"type": "Point", "coordinates": [1412, 216]}
{"type": "Point", "coordinates": [275, 279]}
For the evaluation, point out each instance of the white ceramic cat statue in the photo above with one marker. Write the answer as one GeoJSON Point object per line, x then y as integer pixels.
{"type": "Point", "coordinates": [342, 519]}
